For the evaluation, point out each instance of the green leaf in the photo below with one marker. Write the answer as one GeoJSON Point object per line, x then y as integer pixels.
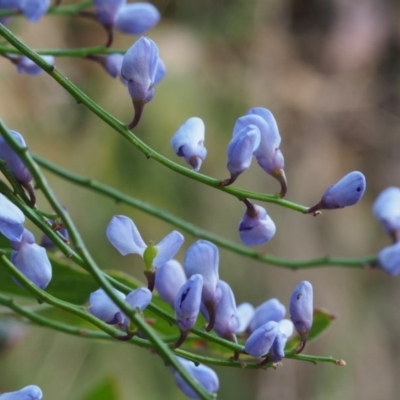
{"type": "Point", "coordinates": [106, 389]}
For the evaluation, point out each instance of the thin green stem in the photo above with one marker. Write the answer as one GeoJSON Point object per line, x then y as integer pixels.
{"type": "Point", "coordinates": [79, 53]}
{"type": "Point", "coordinates": [122, 129]}
{"type": "Point", "coordinates": [194, 230]}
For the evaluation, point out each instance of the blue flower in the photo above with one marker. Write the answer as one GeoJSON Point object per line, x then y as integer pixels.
{"type": "Point", "coordinates": [31, 392]}
{"type": "Point", "coordinates": [139, 69]}
{"type": "Point", "coordinates": [103, 308]}
{"type": "Point", "coordinates": [256, 226]}
{"type": "Point", "coordinates": [32, 260]}
{"type": "Point", "coordinates": [301, 310]}
{"type": "Point", "coordinates": [125, 237]}
{"type": "Point", "coordinates": [187, 305]}
{"type": "Point", "coordinates": [240, 150]}
{"type": "Point", "coordinates": [277, 350]}
{"type": "Point", "coordinates": [202, 258]}
{"type": "Point", "coordinates": [33, 10]}
{"type": "Point", "coordinates": [204, 375]}
{"type": "Point", "coordinates": [387, 210]}
{"type": "Point", "coordinates": [26, 66]}
{"type": "Point", "coordinates": [388, 259]}
{"type": "Point", "coordinates": [244, 313]}
{"type": "Point", "coordinates": [226, 320]}
{"type": "Point", "coordinates": [11, 219]}
{"type": "Point", "coordinates": [188, 142]}
{"type": "Point", "coordinates": [134, 19]}
{"type": "Point", "coordinates": [347, 192]}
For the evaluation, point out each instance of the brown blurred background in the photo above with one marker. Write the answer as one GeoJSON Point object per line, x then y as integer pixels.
{"type": "Point", "coordinates": [330, 72]}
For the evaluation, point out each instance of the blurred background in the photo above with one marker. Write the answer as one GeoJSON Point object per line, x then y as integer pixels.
{"type": "Point", "coordinates": [330, 73]}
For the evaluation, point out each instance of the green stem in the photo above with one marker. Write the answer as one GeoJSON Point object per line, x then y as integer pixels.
{"type": "Point", "coordinates": [194, 230]}
{"type": "Point", "coordinates": [162, 348]}
{"type": "Point", "coordinates": [81, 52]}
{"type": "Point", "coordinates": [122, 129]}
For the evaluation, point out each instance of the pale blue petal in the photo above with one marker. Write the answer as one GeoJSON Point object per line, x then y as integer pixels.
{"type": "Point", "coordinates": [261, 340]}
{"type": "Point", "coordinates": [226, 319]}
{"type": "Point", "coordinates": [11, 220]}
{"type": "Point", "coordinates": [270, 310]}
{"type": "Point", "coordinates": [137, 18]}
{"type": "Point", "coordinates": [168, 247]}
{"type": "Point", "coordinates": [103, 308]}
{"type": "Point", "coordinates": [31, 392]}
{"type": "Point", "coordinates": [124, 236]}
{"type": "Point", "coordinates": [139, 298]}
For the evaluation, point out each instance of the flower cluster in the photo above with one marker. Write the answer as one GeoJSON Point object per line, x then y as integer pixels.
{"type": "Point", "coordinates": [387, 211]}
{"type": "Point", "coordinates": [33, 10]}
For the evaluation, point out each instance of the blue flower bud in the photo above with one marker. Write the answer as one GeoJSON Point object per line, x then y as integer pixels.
{"type": "Point", "coordinates": [204, 375]}
{"type": "Point", "coordinates": [107, 10]}
{"type": "Point", "coordinates": [346, 192]}
{"type": "Point", "coordinates": [388, 259]}
{"type": "Point", "coordinates": [202, 258]}
{"type": "Point", "coordinates": [277, 351]}
{"type": "Point", "coordinates": [301, 309]}
{"type": "Point", "coordinates": [169, 279]}
{"type": "Point", "coordinates": [160, 73]}
{"type": "Point", "coordinates": [245, 313]}
{"type": "Point", "coordinates": [226, 320]}
{"type": "Point", "coordinates": [31, 392]}
{"type": "Point", "coordinates": [240, 151]}
{"type": "Point", "coordinates": [113, 64]}
{"type": "Point", "coordinates": [256, 226]}
{"type": "Point", "coordinates": [14, 162]}
{"type": "Point", "coordinates": [136, 18]}
{"type": "Point", "coordinates": [387, 210]}
{"type": "Point", "coordinates": [139, 298]}
{"type": "Point", "coordinates": [188, 142]}
{"type": "Point", "coordinates": [261, 340]}
{"type": "Point", "coordinates": [268, 154]}
{"type": "Point", "coordinates": [103, 308]}
{"type": "Point", "coordinates": [32, 260]}
{"type": "Point", "coordinates": [139, 68]}
{"type": "Point", "coordinates": [11, 219]}
{"type": "Point", "coordinates": [270, 310]}
{"type": "Point", "coordinates": [47, 243]}
{"type": "Point", "coordinates": [187, 302]}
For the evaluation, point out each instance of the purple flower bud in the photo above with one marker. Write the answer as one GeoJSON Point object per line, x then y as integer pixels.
{"type": "Point", "coordinates": [33, 10]}
{"type": "Point", "coordinates": [32, 260]}
{"type": "Point", "coordinates": [11, 219]}
{"type": "Point", "coordinates": [240, 151]}
{"type": "Point", "coordinates": [139, 68]}
{"type": "Point", "coordinates": [188, 142]}
{"type": "Point", "coordinates": [277, 351]}
{"type": "Point", "coordinates": [346, 192]}
{"type": "Point", "coordinates": [261, 340]}
{"type": "Point", "coordinates": [14, 162]}
{"type": "Point", "coordinates": [389, 259]}
{"type": "Point", "coordinates": [226, 321]}
{"type": "Point", "coordinates": [301, 308]}
{"type": "Point", "coordinates": [387, 210]}
{"type": "Point", "coordinates": [47, 243]}
{"type": "Point", "coordinates": [202, 258]}
{"type": "Point", "coordinates": [256, 226]}
{"type": "Point", "coordinates": [169, 279]}
{"type": "Point", "coordinates": [103, 308]}
{"type": "Point", "coordinates": [245, 313]}
{"type": "Point", "coordinates": [204, 375]}
{"type": "Point", "coordinates": [187, 302]}
{"type": "Point", "coordinates": [26, 66]}
{"type": "Point", "coordinates": [139, 298]}
{"type": "Point", "coordinates": [136, 18]}
{"type": "Point", "coordinates": [31, 392]}
{"type": "Point", "coordinates": [270, 310]}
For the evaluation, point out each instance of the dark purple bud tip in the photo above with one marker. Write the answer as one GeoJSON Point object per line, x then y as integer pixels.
{"type": "Point", "coordinates": [110, 34]}
{"type": "Point", "coordinates": [279, 175]}
{"type": "Point", "coordinates": [28, 186]}
{"type": "Point", "coordinates": [151, 279]}
{"type": "Point", "coordinates": [138, 107]}
{"type": "Point", "coordinates": [211, 309]}
{"type": "Point", "coordinates": [228, 181]}
{"type": "Point", "coordinates": [181, 339]}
